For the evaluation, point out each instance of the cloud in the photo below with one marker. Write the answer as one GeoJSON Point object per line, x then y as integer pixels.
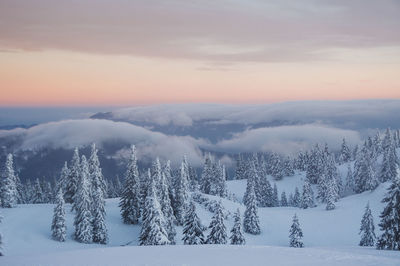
{"type": "Point", "coordinates": [287, 139]}
{"type": "Point", "coordinates": [76, 133]}
{"type": "Point", "coordinates": [360, 114]}
{"type": "Point", "coordinates": [223, 31]}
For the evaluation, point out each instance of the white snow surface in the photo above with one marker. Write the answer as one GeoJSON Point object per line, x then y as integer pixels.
{"type": "Point", "coordinates": [330, 237]}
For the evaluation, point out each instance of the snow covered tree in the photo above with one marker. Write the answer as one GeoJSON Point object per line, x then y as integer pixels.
{"type": "Point", "coordinates": [62, 180]}
{"type": "Point", "coordinates": [350, 184]}
{"type": "Point", "coordinates": [96, 177]}
{"type": "Point", "coordinates": [296, 234]}
{"type": "Point", "coordinates": [37, 196]}
{"type": "Point", "coordinates": [73, 178]}
{"type": "Point", "coordinates": [307, 198]}
{"type": "Point", "coordinates": [9, 187]}
{"type": "Point", "coordinates": [156, 176]}
{"type": "Point", "coordinates": [330, 195]}
{"type": "Point", "coordinates": [153, 231]}
{"type": "Point", "coordinates": [345, 153]}
{"type": "Point", "coordinates": [58, 226]}
{"type": "Point", "coordinates": [192, 228]}
{"type": "Point", "coordinates": [207, 175]}
{"type": "Point", "coordinates": [193, 180]}
{"type": "Point", "coordinates": [364, 173]}
{"type": "Point", "coordinates": [296, 198]}
{"type": "Point", "coordinates": [240, 171]}
{"type": "Point", "coordinates": [100, 232]}
{"type": "Point", "coordinates": [131, 193]}
{"type": "Point", "coordinates": [390, 217]}
{"type": "Point", "coordinates": [181, 195]}
{"type": "Point", "coordinates": [367, 229]}
{"type": "Point", "coordinates": [315, 165]}
{"type": "Point", "coordinates": [237, 236]}
{"type": "Point", "coordinates": [167, 210]}
{"type": "Point", "coordinates": [218, 230]}
{"type": "Point", "coordinates": [275, 197]}
{"type": "Point", "coordinates": [83, 216]}
{"type": "Point", "coordinates": [390, 160]}
{"type": "Point", "coordinates": [276, 167]}
{"type": "Point", "coordinates": [284, 201]}
{"type": "Point", "coordinates": [287, 169]}
{"type": "Point", "coordinates": [266, 193]}
{"type": "Point", "coordinates": [251, 222]}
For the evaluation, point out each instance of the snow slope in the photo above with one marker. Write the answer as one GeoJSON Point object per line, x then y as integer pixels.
{"type": "Point", "coordinates": [330, 237]}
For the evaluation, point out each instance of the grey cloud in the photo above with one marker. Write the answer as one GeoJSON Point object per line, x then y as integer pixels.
{"type": "Point", "coordinates": [243, 30]}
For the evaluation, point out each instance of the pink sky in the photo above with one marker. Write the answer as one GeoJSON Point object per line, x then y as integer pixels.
{"type": "Point", "coordinates": [129, 52]}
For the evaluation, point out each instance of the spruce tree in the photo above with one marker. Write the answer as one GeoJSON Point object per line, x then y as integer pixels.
{"type": "Point", "coordinates": [207, 175]}
{"type": "Point", "coordinates": [296, 198]}
{"type": "Point", "coordinates": [350, 184]}
{"type": "Point", "coordinates": [275, 198]}
{"type": "Point", "coordinates": [284, 201]}
{"type": "Point", "coordinates": [307, 199]}
{"type": "Point", "coordinates": [295, 234]}
{"type": "Point", "coordinates": [83, 216]}
{"type": "Point", "coordinates": [240, 170]}
{"type": "Point", "coordinates": [62, 180]}
{"type": "Point", "coordinates": [237, 236]}
{"type": "Point", "coordinates": [153, 231]}
{"type": "Point", "coordinates": [100, 232]}
{"type": "Point", "coordinates": [390, 217]}
{"type": "Point", "coordinates": [131, 193]}
{"type": "Point", "coordinates": [330, 196]}
{"type": "Point", "coordinates": [181, 195]}
{"type": "Point", "coordinates": [364, 173]}
{"type": "Point", "coordinates": [167, 210]}
{"type": "Point", "coordinates": [95, 173]}
{"type": "Point", "coordinates": [73, 178]}
{"type": "Point", "coordinates": [192, 229]}
{"type": "Point", "coordinates": [251, 222]}
{"type": "Point", "coordinates": [345, 153]}
{"type": "Point", "coordinates": [266, 193]}
{"type": "Point", "coordinates": [367, 229]}
{"type": "Point", "coordinates": [390, 160]}
{"type": "Point", "coordinates": [58, 226]}
{"type": "Point", "coordinates": [218, 230]}
{"type": "Point", "coordinates": [37, 196]}
{"type": "Point", "coordinates": [9, 187]}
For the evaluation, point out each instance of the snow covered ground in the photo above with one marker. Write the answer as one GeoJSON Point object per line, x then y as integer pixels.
{"type": "Point", "coordinates": [330, 237]}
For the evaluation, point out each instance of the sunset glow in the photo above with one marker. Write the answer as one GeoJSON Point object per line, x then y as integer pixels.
{"type": "Point", "coordinates": [101, 61]}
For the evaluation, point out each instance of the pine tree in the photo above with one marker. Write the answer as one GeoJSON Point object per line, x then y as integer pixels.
{"type": "Point", "coordinates": [364, 173]}
{"type": "Point", "coordinates": [73, 178]}
{"type": "Point", "coordinates": [206, 177]}
{"type": "Point", "coordinates": [251, 221]}
{"type": "Point", "coordinates": [314, 167]}
{"type": "Point", "coordinates": [192, 229]}
{"type": "Point", "coordinates": [181, 195]}
{"type": "Point", "coordinates": [237, 237]}
{"type": "Point", "coordinates": [218, 230]}
{"type": "Point", "coordinates": [367, 229]}
{"type": "Point", "coordinates": [307, 199]}
{"type": "Point", "coordinates": [275, 198]}
{"type": "Point", "coordinates": [20, 191]}
{"type": "Point", "coordinates": [62, 180]}
{"type": "Point", "coordinates": [153, 231]}
{"type": "Point", "coordinates": [350, 184]}
{"type": "Point", "coordinates": [37, 196]}
{"type": "Point", "coordinates": [100, 233]}
{"type": "Point", "coordinates": [83, 216]}
{"type": "Point", "coordinates": [345, 153]}
{"type": "Point", "coordinates": [240, 171]}
{"type": "Point", "coordinates": [330, 196]}
{"type": "Point", "coordinates": [167, 210]}
{"type": "Point", "coordinates": [9, 187]}
{"type": "Point", "coordinates": [130, 198]}
{"type": "Point", "coordinates": [193, 181]}
{"type": "Point", "coordinates": [284, 201]}
{"type": "Point", "coordinates": [296, 198]}
{"type": "Point", "coordinates": [390, 217]}
{"type": "Point", "coordinates": [390, 160]}
{"type": "Point", "coordinates": [266, 193]}
{"type": "Point", "coordinates": [276, 167]}
{"type": "Point", "coordinates": [58, 226]}
{"type": "Point", "coordinates": [296, 234]}
{"type": "Point", "coordinates": [156, 176]}
{"type": "Point", "coordinates": [95, 173]}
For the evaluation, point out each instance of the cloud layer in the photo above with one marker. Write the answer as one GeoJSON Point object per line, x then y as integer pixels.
{"type": "Point", "coordinates": [222, 31]}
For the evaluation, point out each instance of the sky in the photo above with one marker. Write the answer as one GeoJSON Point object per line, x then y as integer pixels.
{"type": "Point", "coordinates": [126, 52]}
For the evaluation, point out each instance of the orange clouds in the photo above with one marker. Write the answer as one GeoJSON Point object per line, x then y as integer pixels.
{"type": "Point", "coordinates": [66, 78]}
